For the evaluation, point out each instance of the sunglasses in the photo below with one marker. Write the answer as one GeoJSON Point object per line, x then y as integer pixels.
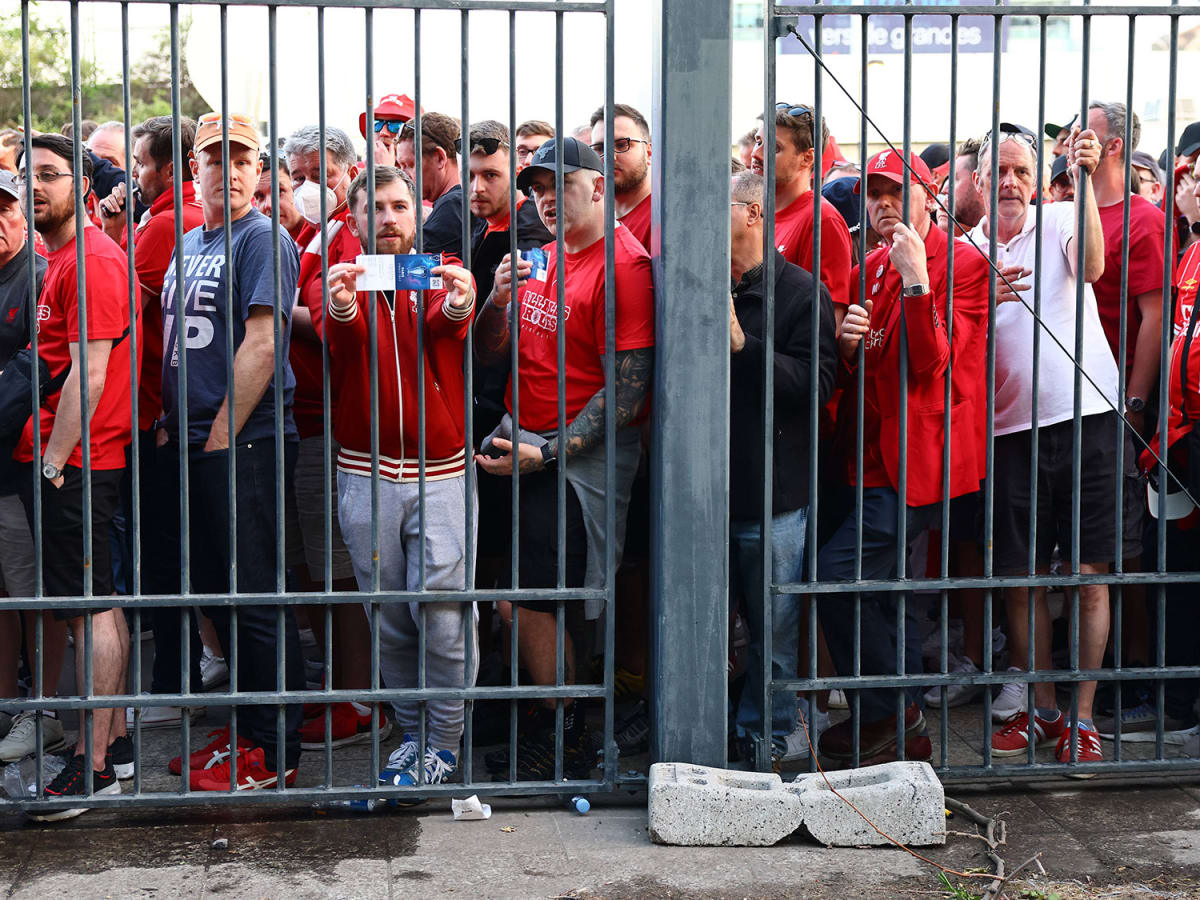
{"type": "Point", "coordinates": [392, 126]}
{"type": "Point", "coordinates": [620, 145]}
{"type": "Point", "coordinates": [792, 110]}
{"type": "Point", "coordinates": [1003, 136]}
{"type": "Point", "coordinates": [487, 145]}
{"type": "Point", "coordinates": [211, 118]}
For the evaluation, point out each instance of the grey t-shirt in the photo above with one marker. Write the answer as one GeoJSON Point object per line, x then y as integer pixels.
{"type": "Point", "coordinates": [205, 275]}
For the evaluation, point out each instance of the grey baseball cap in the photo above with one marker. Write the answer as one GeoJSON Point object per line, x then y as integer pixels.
{"type": "Point", "coordinates": [9, 184]}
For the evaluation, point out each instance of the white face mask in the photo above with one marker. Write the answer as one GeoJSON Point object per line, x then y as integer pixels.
{"type": "Point", "coordinates": [307, 199]}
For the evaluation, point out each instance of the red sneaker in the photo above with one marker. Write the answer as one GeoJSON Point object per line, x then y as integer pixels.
{"type": "Point", "coordinates": [348, 726]}
{"type": "Point", "coordinates": [1089, 749]}
{"type": "Point", "coordinates": [1012, 738]}
{"type": "Point", "coordinates": [252, 774]}
{"type": "Point", "coordinates": [215, 751]}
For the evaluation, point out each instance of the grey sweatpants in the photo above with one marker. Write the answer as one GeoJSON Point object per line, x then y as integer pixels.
{"type": "Point", "coordinates": [399, 570]}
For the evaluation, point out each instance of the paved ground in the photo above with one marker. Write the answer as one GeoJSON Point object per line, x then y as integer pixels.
{"type": "Point", "coordinates": [1136, 840]}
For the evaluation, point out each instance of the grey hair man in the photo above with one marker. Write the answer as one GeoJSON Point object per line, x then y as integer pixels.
{"type": "Point", "coordinates": [303, 152]}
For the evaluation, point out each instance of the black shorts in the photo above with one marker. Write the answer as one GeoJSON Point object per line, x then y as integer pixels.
{"type": "Point", "coordinates": [966, 518]}
{"type": "Point", "coordinates": [62, 533]}
{"type": "Point", "coordinates": [537, 566]}
{"type": "Point", "coordinates": [1098, 495]}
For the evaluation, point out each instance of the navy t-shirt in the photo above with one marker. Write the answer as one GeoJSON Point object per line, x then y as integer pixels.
{"type": "Point", "coordinates": [205, 274]}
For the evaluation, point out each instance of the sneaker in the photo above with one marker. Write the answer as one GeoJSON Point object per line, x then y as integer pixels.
{"type": "Point", "coordinates": [837, 700]}
{"type": "Point", "coordinates": [1191, 742]}
{"type": "Point", "coordinates": [252, 773]}
{"type": "Point", "coordinates": [1012, 738]}
{"type": "Point", "coordinates": [1137, 724]}
{"type": "Point", "coordinates": [70, 783]}
{"type": "Point", "coordinates": [632, 733]}
{"type": "Point", "coordinates": [214, 671]}
{"type": "Point", "coordinates": [347, 725]}
{"type": "Point", "coordinates": [875, 737]}
{"type": "Point", "coordinates": [956, 694]}
{"type": "Point", "coordinates": [795, 745]}
{"type": "Point", "coordinates": [535, 755]}
{"type": "Point", "coordinates": [628, 687]}
{"type": "Point", "coordinates": [439, 766]}
{"type": "Point", "coordinates": [1012, 699]}
{"type": "Point", "coordinates": [21, 740]}
{"type": "Point", "coordinates": [1089, 748]}
{"type": "Point", "coordinates": [403, 759]}
{"type": "Point", "coordinates": [120, 754]}
{"type": "Point", "coordinates": [161, 716]}
{"type": "Point", "coordinates": [214, 752]}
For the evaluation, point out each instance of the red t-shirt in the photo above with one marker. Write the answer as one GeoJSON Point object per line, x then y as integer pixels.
{"type": "Point", "coordinates": [637, 220]}
{"type": "Point", "coordinates": [794, 238]}
{"type": "Point", "coordinates": [1147, 230]}
{"type": "Point", "coordinates": [153, 249]}
{"type": "Point", "coordinates": [308, 405]}
{"type": "Point", "coordinates": [584, 319]}
{"type": "Point", "coordinates": [1187, 281]}
{"type": "Point", "coordinates": [107, 318]}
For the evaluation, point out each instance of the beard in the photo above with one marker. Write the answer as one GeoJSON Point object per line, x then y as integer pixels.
{"type": "Point", "coordinates": [630, 179]}
{"type": "Point", "coordinates": [51, 217]}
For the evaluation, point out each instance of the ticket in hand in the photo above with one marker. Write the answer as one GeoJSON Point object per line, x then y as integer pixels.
{"type": "Point", "coordinates": [537, 256]}
{"type": "Point", "coordinates": [399, 272]}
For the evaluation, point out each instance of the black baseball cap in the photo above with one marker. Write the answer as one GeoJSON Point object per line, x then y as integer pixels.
{"type": "Point", "coordinates": [1058, 168]}
{"type": "Point", "coordinates": [576, 155]}
{"type": "Point", "coordinates": [1011, 128]}
{"type": "Point", "coordinates": [1053, 130]}
{"type": "Point", "coordinates": [1189, 141]}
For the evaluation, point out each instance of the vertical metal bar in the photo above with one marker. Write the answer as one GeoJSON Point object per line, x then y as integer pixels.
{"type": "Point", "coordinates": [560, 285]}
{"type": "Point", "coordinates": [514, 329]}
{"type": "Point", "coordinates": [692, 70]}
{"type": "Point", "coordinates": [418, 156]}
{"type": "Point", "coordinates": [468, 609]}
{"type": "Point", "coordinates": [762, 747]}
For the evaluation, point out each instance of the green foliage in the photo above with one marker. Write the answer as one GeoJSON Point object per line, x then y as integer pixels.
{"type": "Point", "coordinates": [955, 892]}
{"type": "Point", "coordinates": [100, 96]}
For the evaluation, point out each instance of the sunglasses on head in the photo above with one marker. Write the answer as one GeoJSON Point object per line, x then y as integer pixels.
{"type": "Point", "coordinates": [793, 110]}
{"type": "Point", "coordinates": [215, 117]}
{"type": "Point", "coordinates": [393, 126]}
{"type": "Point", "coordinates": [487, 145]}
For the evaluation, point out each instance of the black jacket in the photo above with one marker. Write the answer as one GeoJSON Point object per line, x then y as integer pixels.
{"type": "Point", "coordinates": [794, 390]}
{"type": "Point", "coordinates": [15, 318]}
{"type": "Point", "coordinates": [487, 250]}
{"type": "Point", "coordinates": [442, 228]}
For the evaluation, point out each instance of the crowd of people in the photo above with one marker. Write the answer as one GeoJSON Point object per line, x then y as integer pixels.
{"type": "Point", "coordinates": [231, 355]}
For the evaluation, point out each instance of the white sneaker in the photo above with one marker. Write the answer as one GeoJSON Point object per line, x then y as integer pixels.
{"type": "Point", "coordinates": [1012, 699]}
{"type": "Point", "coordinates": [957, 694]}
{"type": "Point", "coordinates": [21, 740]}
{"type": "Point", "coordinates": [213, 670]}
{"type": "Point", "coordinates": [161, 716]}
{"type": "Point", "coordinates": [797, 742]}
{"type": "Point", "coordinates": [837, 700]}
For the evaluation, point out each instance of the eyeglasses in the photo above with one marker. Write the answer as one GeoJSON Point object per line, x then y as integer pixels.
{"type": "Point", "coordinates": [393, 126]}
{"type": "Point", "coordinates": [620, 145]}
{"type": "Point", "coordinates": [45, 177]}
{"type": "Point", "coordinates": [487, 145]}
{"type": "Point", "coordinates": [1007, 136]}
{"type": "Point", "coordinates": [792, 110]}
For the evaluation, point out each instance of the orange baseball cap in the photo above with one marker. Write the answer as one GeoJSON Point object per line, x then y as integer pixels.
{"type": "Point", "coordinates": [241, 131]}
{"type": "Point", "coordinates": [392, 107]}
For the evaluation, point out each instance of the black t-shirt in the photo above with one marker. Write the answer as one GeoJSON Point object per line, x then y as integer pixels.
{"type": "Point", "coordinates": [14, 330]}
{"type": "Point", "coordinates": [442, 227]}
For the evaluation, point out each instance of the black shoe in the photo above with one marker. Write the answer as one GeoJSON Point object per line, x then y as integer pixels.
{"type": "Point", "coordinates": [70, 783]}
{"type": "Point", "coordinates": [632, 732]}
{"type": "Point", "coordinates": [536, 751]}
{"type": "Point", "coordinates": [534, 719]}
{"type": "Point", "coordinates": [120, 755]}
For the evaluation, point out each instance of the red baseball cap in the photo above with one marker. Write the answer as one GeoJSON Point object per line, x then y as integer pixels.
{"type": "Point", "coordinates": [394, 107]}
{"type": "Point", "coordinates": [889, 164]}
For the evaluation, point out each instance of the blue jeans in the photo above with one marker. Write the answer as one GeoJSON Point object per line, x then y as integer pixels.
{"type": "Point", "coordinates": [745, 579]}
{"type": "Point", "coordinates": [880, 632]}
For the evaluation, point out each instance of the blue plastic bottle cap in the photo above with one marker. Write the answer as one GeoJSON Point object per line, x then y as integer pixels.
{"type": "Point", "coordinates": [582, 805]}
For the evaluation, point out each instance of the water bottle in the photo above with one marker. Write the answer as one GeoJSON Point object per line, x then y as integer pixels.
{"type": "Point", "coordinates": [358, 804]}
{"type": "Point", "coordinates": [580, 804]}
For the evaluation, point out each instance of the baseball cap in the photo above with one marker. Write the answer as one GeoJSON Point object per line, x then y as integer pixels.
{"type": "Point", "coordinates": [576, 155]}
{"type": "Point", "coordinates": [1189, 141]}
{"type": "Point", "coordinates": [1058, 168]}
{"type": "Point", "coordinates": [889, 164]}
{"type": "Point", "coordinates": [241, 131]}
{"type": "Point", "coordinates": [398, 107]}
{"type": "Point", "coordinates": [9, 184]}
{"type": "Point", "coordinates": [1140, 159]}
{"type": "Point", "coordinates": [841, 192]}
{"type": "Point", "coordinates": [1053, 130]}
{"type": "Point", "coordinates": [1178, 504]}
{"type": "Point", "coordinates": [936, 155]}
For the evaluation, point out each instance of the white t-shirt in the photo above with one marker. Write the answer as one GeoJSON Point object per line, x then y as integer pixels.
{"type": "Point", "coordinates": [1015, 327]}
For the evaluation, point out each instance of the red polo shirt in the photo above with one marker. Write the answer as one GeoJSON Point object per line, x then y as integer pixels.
{"type": "Point", "coordinates": [794, 239]}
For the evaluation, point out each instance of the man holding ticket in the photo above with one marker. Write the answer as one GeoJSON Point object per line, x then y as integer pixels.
{"type": "Point", "coordinates": [409, 290]}
{"type": "Point", "coordinates": [580, 447]}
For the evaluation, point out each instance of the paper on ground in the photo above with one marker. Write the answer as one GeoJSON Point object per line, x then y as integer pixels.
{"type": "Point", "coordinates": [470, 810]}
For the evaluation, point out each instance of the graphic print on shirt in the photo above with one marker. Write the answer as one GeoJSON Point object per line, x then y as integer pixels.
{"type": "Point", "coordinates": [203, 274]}
{"type": "Point", "coordinates": [539, 311]}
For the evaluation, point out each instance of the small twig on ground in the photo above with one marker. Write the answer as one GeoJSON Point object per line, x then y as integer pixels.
{"type": "Point", "coordinates": [993, 889]}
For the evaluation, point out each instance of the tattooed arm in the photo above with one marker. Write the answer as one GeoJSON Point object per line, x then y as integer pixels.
{"type": "Point", "coordinates": [491, 326]}
{"type": "Point", "coordinates": [586, 430]}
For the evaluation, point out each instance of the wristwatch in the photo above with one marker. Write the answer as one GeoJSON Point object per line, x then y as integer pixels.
{"type": "Point", "coordinates": [915, 290]}
{"type": "Point", "coordinates": [1135, 404]}
{"type": "Point", "coordinates": [50, 471]}
{"type": "Point", "coordinates": [547, 455]}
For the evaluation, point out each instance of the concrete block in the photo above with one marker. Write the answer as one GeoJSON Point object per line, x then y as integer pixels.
{"type": "Point", "coordinates": [904, 799]}
{"type": "Point", "coordinates": [701, 806]}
